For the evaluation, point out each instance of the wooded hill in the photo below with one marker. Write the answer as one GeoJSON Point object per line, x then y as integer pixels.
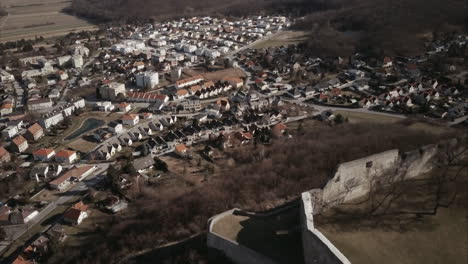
{"type": "Point", "coordinates": [338, 27]}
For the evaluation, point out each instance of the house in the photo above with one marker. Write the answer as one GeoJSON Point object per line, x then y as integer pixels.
{"type": "Point", "coordinates": [78, 173]}
{"type": "Point", "coordinates": [126, 140]}
{"type": "Point", "coordinates": [4, 155]}
{"type": "Point", "coordinates": [34, 132]}
{"type": "Point", "coordinates": [43, 172]}
{"type": "Point", "coordinates": [40, 245]}
{"type": "Point", "coordinates": [143, 164]}
{"type": "Point", "coordinates": [6, 108]}
{"type": "Point", "coordinates": [57, 232]}
{"type": "Point", "coordinates": [19, 144]}
{"type": "Point", "coordinates": [234, 81]}
{"type": "Point", "coordinates": [76, 214]}
{"type": "Point", "coordinates": [115, 127]}
{"type": "Point", "coordinates": [182, 151]}
{"type": "Point", "coordinates": [181, 94]}
{"type": "Point", "coordinates": [105, 106]}
{"type": "Point", "coordinates": [124, 107]}
{"type": "Point", "coordinates": [66, 156]}
{"type": "Point", "coordinates": [112, 90]}
{"type": "Point", "coordinates": [146, 116]}
{"type": "Point", "coordinates": [294, 93]}
{"type": "Point", "coordinates": [114, 204]}
{"type": "Point", "coordinates": [130, 120]}
{"type": "Point", "coordinates": [43, 154]}
{"type": "Point", "coordinates": [10, 131]}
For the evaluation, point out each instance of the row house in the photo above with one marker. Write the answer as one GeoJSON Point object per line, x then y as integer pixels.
{"type": "Point", "coordinates": [147, 97]}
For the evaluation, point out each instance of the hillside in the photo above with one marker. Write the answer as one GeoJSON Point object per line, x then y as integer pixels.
{"type": "Point", "coordinates": [338, 27]}
{"type": "Point", "coordinates": [248, 181]}
{"type": "Point", "coordinates": [384, 27]}
{"type": "Point", "coordinates": [111, 10]}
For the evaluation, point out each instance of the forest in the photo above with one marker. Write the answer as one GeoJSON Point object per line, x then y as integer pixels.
{"type": "Point", "coordinates": [262, 177]}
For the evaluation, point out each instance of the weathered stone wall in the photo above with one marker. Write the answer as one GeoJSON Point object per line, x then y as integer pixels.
{"type": "Point", "coordinates": [418, 162]}
{"type": "Point", "coordinates": [352, 179]}
{"type": "Point", "coordinates": [317, 248]}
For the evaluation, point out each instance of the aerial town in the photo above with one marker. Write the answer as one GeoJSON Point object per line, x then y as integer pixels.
{"type": "Point", "coordinates": [110, 110]}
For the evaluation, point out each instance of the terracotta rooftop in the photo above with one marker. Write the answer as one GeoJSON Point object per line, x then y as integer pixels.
{"type": "Point", "coordinates": [44, 152]}
{"type": "Point", "coordinates": [65, 153]}
{"type": "Point", "coordinates": [19, 140]}
{"type": "Point", "coordinates": [80, 206]}
{"type": "Point", "coordinates": [3, 152]}
{"type": "Point", "coordinates": [181, 148]}
{"type": "Point", "coordinates": [72, 214]}
{"type": "Point", "coordinates": [34, 128]}
{"type": "Point", "coordinates": [129, 117]}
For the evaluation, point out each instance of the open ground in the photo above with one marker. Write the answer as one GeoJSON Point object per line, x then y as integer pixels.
{"type": "Point", "coordinates": [28, 19]}
{"type": "Point", "coordinates": [282, 38]}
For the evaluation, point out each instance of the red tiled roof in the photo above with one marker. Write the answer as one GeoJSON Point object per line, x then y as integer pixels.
{"type": "Point", "coordinates": [80, 206]}
{"type": "Point", "coordinates": [3, 152]}
{"type": "Point", "coordinates": [129, 117]}
{"type": "Point", "coordinates": [279, 127]}
{"type": "Point", "coordinates": [6, 105]}
{"type": "Point", "coordinates": [193, 78]}
{"type": "Point", "coordinates": [43, 152]}
{"type": "Point", "coordinates": [34, 128]}
{"type": "Point", "coordinates": [72, 214]}
{"type": "Point", "coordinates": [21, 260]}
{"type": "Point", "coordinates": [182, 92]}
{"type": "Point", "coordinates": [65, 153]}
{"type": "Point", "coordinates": [19, 140]}
{"type": "Point", "coordinates": [123, 105]}
{"type": "Point", "coordinates": [181, 148]}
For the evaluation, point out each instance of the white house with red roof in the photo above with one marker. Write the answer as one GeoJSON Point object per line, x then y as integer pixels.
{"type": "Point", "coordinates": [66, 156]}
{"type": "Point", "coordinates": [43, 154]}
{"type": "Point", "coordinates": [124, 107]}
{"type": "Point", "coordinates": [76, 214]}
{"type": "Point", "coordinates": [130, 120]}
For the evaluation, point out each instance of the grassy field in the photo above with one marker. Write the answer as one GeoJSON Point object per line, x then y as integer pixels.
{"type": "Point", "coordinates": [30, 18]}
{"type": "Point", "coordinates": [282, 38]}
{"type": "Point", "coordinates": [355, 118]}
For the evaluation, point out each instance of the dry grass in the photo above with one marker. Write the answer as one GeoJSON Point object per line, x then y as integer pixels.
{"type": "Point", "coordinates": [81, 145]}
{"type": "Point", "coordinates": [31, 18]}
{"type": "Point", "coordinates": [219, 75]}
{"type": "Point", "coordinates": [356, 118]}
{"type": "Point", "coordinates": [282, 38]}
